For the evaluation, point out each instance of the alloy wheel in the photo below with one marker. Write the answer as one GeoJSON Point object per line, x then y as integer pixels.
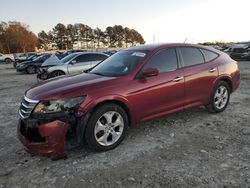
{"type": "Point", "coordinates": [221, 97]}
{"type": "Point", "coordinates": [109, 128]}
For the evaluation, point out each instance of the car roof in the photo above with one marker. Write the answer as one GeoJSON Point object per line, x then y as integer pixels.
{"type": "Point", "coordinates": [166, 45]}
{"type": "Point", "coordinates": [80, 53]}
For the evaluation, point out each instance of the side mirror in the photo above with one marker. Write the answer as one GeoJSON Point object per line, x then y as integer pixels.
{"type": "Point", "coordinates": [149, 72]}
{"type": "Point", "coordinates": [72, 62]}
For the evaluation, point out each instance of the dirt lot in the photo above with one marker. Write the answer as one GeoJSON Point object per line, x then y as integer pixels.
{"type": "Point", "coordinates": [189, 149]}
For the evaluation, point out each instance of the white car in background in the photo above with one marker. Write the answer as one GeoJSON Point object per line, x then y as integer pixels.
{"type": "Point", "coordinates": [72, 64]}
{"type": "Point", "coordinates": [7, 58]}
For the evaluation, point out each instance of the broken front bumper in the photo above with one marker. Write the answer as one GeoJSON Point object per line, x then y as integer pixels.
{"type": "Point", "coordinates": [47, 139]}
{"type": "Point", "coordinates": [42, 74]}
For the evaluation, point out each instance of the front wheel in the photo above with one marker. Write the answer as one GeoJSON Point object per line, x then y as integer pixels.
{"type": "Point", "coordinates": [8, 60]}
{"type": "Point", "coordinates": [56, 73]}
{"type": "Point", "coordinates": [107, 127]}
{"type": "Point", "coordinates": [220, 97]}
{"type": "Point", "coordinates": [31, 70]}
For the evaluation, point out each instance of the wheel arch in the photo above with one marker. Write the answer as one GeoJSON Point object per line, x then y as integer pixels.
{"type": "Point", "coordinates": [58, 70]}
{"type": "Point", "coordinates": [31, 65]}
{"type": "Point", "coordinates": [7, 58]}
{"type": "Point", "coordinates": [117, 102]}
{"type": "Point", "coordinates": [82, 125]}
{"type": "Point", "coordinates": [91, 105]}
{"type": "Point", "coordinates": [226, 79]}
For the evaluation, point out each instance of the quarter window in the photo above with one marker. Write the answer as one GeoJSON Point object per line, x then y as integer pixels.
{"type": "Point", "coordinates": [209, 56]}
{"type": "Point", "coordinates": [164, 60]}
{"type": "Point", "coordinates": [191, 56]}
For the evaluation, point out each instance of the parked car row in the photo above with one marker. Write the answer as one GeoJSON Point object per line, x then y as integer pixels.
{"type": "Point", "coordinates": [51, 65]}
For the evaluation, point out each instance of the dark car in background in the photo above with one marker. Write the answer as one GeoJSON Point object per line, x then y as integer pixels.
{"type": "Point", "coordinates": [132, 86]}
{"type": "Point", "coordinates": [32, 66]}
{"type": "Point", "coordinates": [236, 52]}
{"type": "Point", "coordinates": [245, 56]}
{"type": "Point", "coordinates": [23, 56]}
{"type": "Point", "coordinates": [29, 58]}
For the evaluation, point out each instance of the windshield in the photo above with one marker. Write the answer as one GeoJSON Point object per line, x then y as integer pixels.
{"type": "Point", "coordinates": [68, 58]}
{"type": "Point", "coordinates": [119, 64]}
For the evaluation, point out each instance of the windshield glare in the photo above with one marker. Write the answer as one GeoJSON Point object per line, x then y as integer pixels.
{"type": "Point", "coordinates": [119, 64]}
{"type": "Point", "coordinates": [68, 58]}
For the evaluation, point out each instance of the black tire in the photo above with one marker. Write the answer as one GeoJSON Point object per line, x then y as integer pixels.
{"type": "Point", "coordinates": [212, 106]}
{"type": "Point", "coordinates": [31, 69]}
{"type": "Point", "coordinates": [90, 135]}
{"type": "Point", "coordinates": [7, 60]}
{"type": "Point", "coordinates": [14, 64]}
{"type": "Point", "coordinates": [56, 73]}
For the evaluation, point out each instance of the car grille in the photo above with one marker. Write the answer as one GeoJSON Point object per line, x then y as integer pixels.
{"type": "Point", "coordinates": [26, 107]}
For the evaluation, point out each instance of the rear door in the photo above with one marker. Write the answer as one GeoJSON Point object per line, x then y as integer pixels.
{"type": "Point", "coordinates": [200, 72]}
{"type": "Point", "coordinates": [156, 96]}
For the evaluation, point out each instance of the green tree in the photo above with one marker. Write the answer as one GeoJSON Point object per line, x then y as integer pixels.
{"type": "Point", "coordinates": [45, 39]}
{"type": "Point", "coordinates": [60, 36]}
{"type": "Point", "coordinates": [98, 36]}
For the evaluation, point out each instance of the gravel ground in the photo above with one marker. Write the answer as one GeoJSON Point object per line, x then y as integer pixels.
{"type": "Point", "coordinates": [189, 149]}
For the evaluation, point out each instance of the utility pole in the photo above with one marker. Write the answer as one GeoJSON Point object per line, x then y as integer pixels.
{"type": "Point", "coordinates": [153, 39]}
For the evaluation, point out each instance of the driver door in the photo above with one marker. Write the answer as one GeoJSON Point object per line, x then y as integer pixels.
{"type": "Point", "coordinates": [78, 64]}
{"type": "Point", "coordinates": [162, 94]}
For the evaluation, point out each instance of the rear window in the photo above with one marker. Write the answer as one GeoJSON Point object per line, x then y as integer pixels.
{"type": "Point", "coordinates": [191, 56]}
{"type": "Point", "coordinates": [209, 56]}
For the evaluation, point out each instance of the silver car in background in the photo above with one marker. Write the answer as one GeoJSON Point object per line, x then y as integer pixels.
{"type": "Point", "coordinates": [73, 64]}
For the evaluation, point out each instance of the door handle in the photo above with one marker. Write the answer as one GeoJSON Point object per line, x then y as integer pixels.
{"type": "Point", "coordinates": [212, 70]}
{"type": "Point", "coordinates": [177, 79]}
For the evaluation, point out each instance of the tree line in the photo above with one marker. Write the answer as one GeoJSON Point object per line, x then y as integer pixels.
{"type": "Point", "coordinates": [64, 36]}
{"type": "Point", "coordinates": [15, 37]}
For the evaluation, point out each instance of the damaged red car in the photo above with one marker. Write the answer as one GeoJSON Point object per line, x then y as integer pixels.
{"type": "Point", "coordinates": [135, 85]}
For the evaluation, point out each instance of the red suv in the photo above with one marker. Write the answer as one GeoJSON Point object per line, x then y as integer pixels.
{"type": "Point", "coordinates": [132, 86]}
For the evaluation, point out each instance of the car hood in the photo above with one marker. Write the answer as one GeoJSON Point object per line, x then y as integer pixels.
{"type": "Point", "coordinates": [25, 62]}
{"type": "Point", "coordinates": [65, 87]}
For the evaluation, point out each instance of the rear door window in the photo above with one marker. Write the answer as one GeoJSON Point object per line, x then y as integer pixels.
{"type": "Point", "coordinates": [165, 60]}
{"type": "Point", "coordinates": [209, 55]}
{"type": "Point", "coordinates": [82, 58]}
{"type": "Point", "coordinates": [191, 56]}
{"type": "Point", "coordinates": [97, 57]}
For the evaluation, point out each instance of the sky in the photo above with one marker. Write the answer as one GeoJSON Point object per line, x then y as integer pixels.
{"type": "Point", "coordinates": [158, 21]}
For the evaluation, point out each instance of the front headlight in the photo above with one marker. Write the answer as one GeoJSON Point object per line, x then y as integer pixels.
{"type": "Point", "coordinates": [58, 105]}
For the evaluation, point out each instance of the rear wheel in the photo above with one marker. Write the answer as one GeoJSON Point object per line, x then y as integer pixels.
{"type": "Point", "coordinates": [107, 127]}
{"type": "Point", "coordinates": [56, 73]}
{"type": "Point", "coordinates": [220, 97]}
{"type": "Point", "coordinates": [31, 70]}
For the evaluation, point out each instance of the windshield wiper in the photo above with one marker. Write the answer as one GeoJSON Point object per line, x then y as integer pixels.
{"type": "Point", "coordinates": [97, 73]}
